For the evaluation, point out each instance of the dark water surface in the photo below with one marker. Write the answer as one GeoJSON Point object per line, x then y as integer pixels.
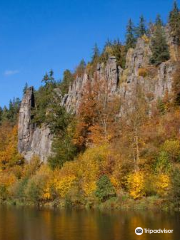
{"type": "Point", "coordinates": [33, 224]}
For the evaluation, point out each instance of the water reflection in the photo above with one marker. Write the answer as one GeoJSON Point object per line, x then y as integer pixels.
{"type": "Point", "coordinates": [32, 224]}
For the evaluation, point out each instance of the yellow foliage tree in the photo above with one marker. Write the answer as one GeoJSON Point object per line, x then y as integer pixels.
{"type": "Point", "coordinates": [162, 184]}
{"type": "Point", "coordinates": [9, 155]}
{"type": "Point", "coordinates": [62, 185]}
{"type": "Point", "coordinates": [136, 184]}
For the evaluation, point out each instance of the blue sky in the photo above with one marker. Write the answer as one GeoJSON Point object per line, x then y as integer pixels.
{"type": "Point", "coordinates": [39, 35]}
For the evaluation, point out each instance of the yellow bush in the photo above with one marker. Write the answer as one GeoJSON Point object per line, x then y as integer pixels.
{"type": "Point", "coordinates": [172, 147]}
{"type": "Point", "coordinates": [142, 72]}
{"type": "Point", "coordinates": [162, 184]}
{"type": "Point", "coordinates": [88, 187]}
{"type": "Point", "coordinates": [114, 182]}
{"type": "Point", "coordinates": [63, 185]}
{"type": "Point", "coordinates": [7, 178]}
{"type": "Point", "coordinates": [82, 173]}
{"type": "Point", "coordinates": [136, 184]}
{"type": "Point", "coordinates": [90, 165]}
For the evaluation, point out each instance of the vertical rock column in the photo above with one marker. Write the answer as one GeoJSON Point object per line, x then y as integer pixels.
{"type": "Point", "coordinates": [25, 127]}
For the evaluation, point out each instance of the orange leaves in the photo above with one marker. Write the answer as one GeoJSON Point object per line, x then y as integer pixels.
{"type": "Point", "coordinates": [97, 115]}
{"type": "Point", "coordinates": [143, 72]}
{"type": "Point", "coordinates": [7, 178]}
{"type": "Point", "coordinates": [8, 146]}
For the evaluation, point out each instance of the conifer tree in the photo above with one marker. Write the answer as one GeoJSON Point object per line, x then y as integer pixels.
{"type": "Point", "coordinates": [48, 78]}
{"type": "Point", "coordinates": [105, 189]}
{"type": "Point", "coordinates": [1, 113]}
{"type": "Point", "coordinates": [159, 46]}
{"type": "Point", "coordinates": [158, 21]}
{"type": "Point", "coordinates": [141, 29]}
{"type": "Point", "coordinates": [96, 53]}
{"type": "Point", "coordinates": [66, 82]}
{"type": "Point", "coordinates": [81, 68]}
{"type": "Point", "coordinates": [25, 88]}
{"type": "Point", "coordinates": [130, 37]}
{"type": "Point", "coordinates": [174, 22]}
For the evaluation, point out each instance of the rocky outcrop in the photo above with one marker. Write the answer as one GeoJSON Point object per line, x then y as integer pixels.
{"type": "Point", "coordinates": [154, 82]}
{"type": "Point", "coordinates": [25, 127]}
{"type": "Point", "coordinates": [32, 140]}
{"type": "Point", "coordinates": [122, 83]}
{"type": "Point", "coordinates": [109, 72]}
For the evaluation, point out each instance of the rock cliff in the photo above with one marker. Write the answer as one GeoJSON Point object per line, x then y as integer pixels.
{"type": "Point", "coordinates": [154, 82]}
{"type": "Point", "coordinates": [32, 140]}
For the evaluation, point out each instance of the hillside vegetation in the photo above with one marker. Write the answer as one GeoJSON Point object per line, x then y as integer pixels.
{"type": "Point", "coordinates": [99, 158]}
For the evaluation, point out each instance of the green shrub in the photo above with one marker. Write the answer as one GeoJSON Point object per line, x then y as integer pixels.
{"type": "Point", "coordinates": [163, 164]}
{"type": "Point", "coordinates": [175, 190]}
{"type": "Point", "coordinates": [35, 187]}
{"type": "Point", "coordinates": [3, 192]}
{"type": "Point", "coordinates": [105, 189]}
{"type": "Point", "coordinates": [18, 190]}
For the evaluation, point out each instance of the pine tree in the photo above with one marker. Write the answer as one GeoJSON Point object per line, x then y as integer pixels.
{"type": "Point", "coordinates": [105, 189]}
{"type": "Point", "coordinates": [61, 125]}
{"type": "Point", "coordinates": [174, 22]}
{"type": "Point", "coordinates": [68, 78]}
{"type": "Point", "coordinates": [130, 38]}
{"type": "Point", "coordinates": [96, 53]}
{"type": "Point", "coordinates": [25, 88]}
{"type": "Point", "coordinates": [48, 78]}
{"type": "Point", "coordinates": [158, 21]}
{"type": "Point", "coordinates": [176, 86]}
{"type": "Point", "coordinates": [159, 47]}
{"type": "Point", "coordinates": [141, 29]}
{"type": "Point", "coordinates": [81, 68]}
{"type": "Point", "coordinates": [118, 51]}
{"type": "Point", "coordinates": [1, 113]}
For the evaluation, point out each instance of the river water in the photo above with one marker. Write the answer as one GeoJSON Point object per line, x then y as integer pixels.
{"type": "Point", "coordinates": [33, 224]}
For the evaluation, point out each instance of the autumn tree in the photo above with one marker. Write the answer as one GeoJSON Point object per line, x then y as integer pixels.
{"type": "Point", "coordinates": [86, 116]}
{"type": "Point", "coordinates": [97, 114]}
{"type": "Point", "coordinates": [137, 116]}
{"type": "Point", "coordinates": [9, 155]}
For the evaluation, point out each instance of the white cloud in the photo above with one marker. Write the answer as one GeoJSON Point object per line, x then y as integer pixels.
{"type": "Point", "coordinates": [10, 72]}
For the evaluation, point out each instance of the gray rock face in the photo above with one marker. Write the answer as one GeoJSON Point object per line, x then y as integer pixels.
{"type": "Point", "coordinates": [120, 82]}
{"type": "Point", "coordinates": [25, 128]}
{"type": "Point", "coordinates": [123, 82]}
{"type": "Point", "coordinates": [32, 140]}
{"type": "Point", "coordinates": [138, 57]}
{"type": "Point", "coordinates": [40, 145]}
{"type": "Point", "coordinates": [109, 73]}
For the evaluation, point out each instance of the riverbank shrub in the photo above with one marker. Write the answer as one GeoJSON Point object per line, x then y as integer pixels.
{"type": "Point", "coordinates": [136, 184]}
{"type": "Point", "coordinates": [104, 189]}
